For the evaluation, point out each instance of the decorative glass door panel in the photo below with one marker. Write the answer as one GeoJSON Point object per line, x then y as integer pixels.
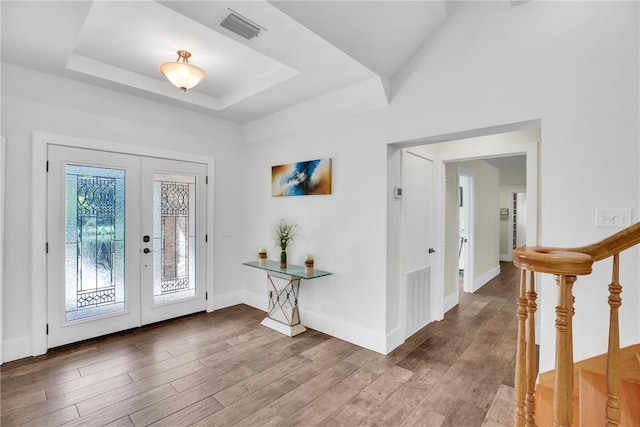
{"type": "Point", "coordinates": [174, 238]}
{"type": "Point", "coordinates": [94, 241]}
{"type": "Point", "coordinates": [93, 267]}
{"type": "Point", "coordinates": [173, 241]}
{"type": "Point", "coordinates": [126, 239]}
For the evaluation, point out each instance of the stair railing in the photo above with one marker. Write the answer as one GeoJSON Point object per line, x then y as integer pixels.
{"type": "Point", "coordinates": [566, 265]}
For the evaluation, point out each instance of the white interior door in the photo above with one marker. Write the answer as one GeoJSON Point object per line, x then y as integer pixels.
{"type": "Point", "coordinates": [418, 212]}
{"type": "Point", "coordinates": [101, 206]}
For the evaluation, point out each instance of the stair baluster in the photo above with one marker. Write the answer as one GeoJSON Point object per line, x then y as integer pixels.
{"type": "Point", "coordinates": [532, 368]}
{"type": "Point", "coordinates": [613, 356]}
{"type": "Point", "coordinates": [566, 264]}
{"type": "Point", "coordinates": [562, 398]}
{"type": "Point", "coordinates": [521, 353]}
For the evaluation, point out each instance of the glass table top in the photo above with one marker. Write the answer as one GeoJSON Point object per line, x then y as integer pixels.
{"type": "Point", "coordinates": [291, 270]}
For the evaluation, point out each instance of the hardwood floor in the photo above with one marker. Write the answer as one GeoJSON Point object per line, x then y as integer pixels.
{"type": "Point", "coordinates": [223, 369]}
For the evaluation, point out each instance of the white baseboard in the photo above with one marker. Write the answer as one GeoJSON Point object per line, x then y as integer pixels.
{"type": "Point", "coordinates": [15, 349]}
{"type": "Point", "coordinates": [483, 279]}
{"type": "Point", "coordinates": [394, 339]}
{"type": "Point", "coordinates": [259, 301]}
{"type": "Point", "coordinates": [227, 300]}
{"type": "Point", "coordinates": [450, 301]}
{"type": "Point", "coordinates": [506, 257]}
{"type": "Point", "coordinates": [346, 331]}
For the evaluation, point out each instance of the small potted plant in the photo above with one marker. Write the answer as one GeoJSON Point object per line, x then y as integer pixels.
{"type": "Point", "coordinates": [285, 233]}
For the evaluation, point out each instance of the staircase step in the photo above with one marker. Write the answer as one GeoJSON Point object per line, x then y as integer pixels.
{"type": "Point", "coordinates": [544, 406]}
{"type": "Point", "coordinates": [593, 400]}
{"type": "Point", "coordinates": [630, 405]}
{"type": "Point", "coordinates": [629, 367]}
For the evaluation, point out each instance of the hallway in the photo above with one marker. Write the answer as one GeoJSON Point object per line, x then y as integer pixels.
{"type": "Point", "coordinates": [224, 369]}
{"type": "Point", "coordinates": [471, 356]}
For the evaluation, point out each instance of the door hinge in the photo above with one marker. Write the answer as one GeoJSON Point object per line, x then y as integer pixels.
{"type": "Point", "coordinates": [206, 295]}
{"type": "Point", "coordinates": [206, 238]}
{"type": "Point", "coordinates": [47, 329]}
{"type": "Point", "coordinates": [46, 248]}
{"type": "Point", "coordinates": [47, 165]}
{"type": "Point", "coordinates": [206, 179]}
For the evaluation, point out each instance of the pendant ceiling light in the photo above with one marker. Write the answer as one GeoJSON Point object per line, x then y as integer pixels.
{"type": "Point", "coordinates": [182, 74]}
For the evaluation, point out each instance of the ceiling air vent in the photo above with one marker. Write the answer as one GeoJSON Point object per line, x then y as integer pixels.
{"type": "Point", "coordinates": [240, 25]}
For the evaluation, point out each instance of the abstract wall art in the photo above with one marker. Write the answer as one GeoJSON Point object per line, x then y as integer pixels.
{"type": "Point", "coordinates": [308, 178]}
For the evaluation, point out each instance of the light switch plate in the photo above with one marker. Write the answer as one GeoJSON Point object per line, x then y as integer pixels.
{"type": "Point", "coordinates": [613, 217]}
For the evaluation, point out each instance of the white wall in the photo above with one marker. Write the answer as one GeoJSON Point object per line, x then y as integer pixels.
{"type": "Point", "coordinates": [513, 177]}
{"type": "Point", "coordinates": [34, 101]}
{"type": "Point", "coordinates": [346, 231]}
{"type": "Point", "coordinates": [486, 235]}
{"type": "Point", "coordinates": [571, 65]}
{"type": "Point", "coordinates": [511, 180]}
{"type": "Point", "coordinates": [506, 201]}
{"type": "Point", "coordinates": [486, 232]}
{"type": "Point", "coordinates": [574, 65]}
{"type": "Point", "coordinates": [451, 231]}
{"type": "Point", "coordinates": [492, 64]}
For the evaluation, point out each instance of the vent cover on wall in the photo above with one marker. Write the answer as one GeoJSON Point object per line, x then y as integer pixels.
{"type": "Point", "coordinates": [240, 26]}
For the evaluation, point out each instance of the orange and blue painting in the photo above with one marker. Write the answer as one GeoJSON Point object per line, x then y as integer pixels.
{"type": "Point", "coordinates": [301, 179]}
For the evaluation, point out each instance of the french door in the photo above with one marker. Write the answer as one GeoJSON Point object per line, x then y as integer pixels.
{"type": "Point", "coordinates": [126, 242]}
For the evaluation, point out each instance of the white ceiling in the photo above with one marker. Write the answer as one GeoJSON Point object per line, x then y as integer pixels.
{"type": "Point", "coordinates": [508, 162]}
{"type": "Point", "coordinates": [308, 48]}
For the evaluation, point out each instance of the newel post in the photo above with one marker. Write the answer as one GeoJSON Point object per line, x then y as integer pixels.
{"type": "Point", "coordinates": [563, 396]}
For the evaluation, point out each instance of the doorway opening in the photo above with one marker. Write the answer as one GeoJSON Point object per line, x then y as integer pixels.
{"type": "Point", "coordinates": [126, 242]}
{"type": "Point", "coordinates": [465, 233]}
{"type": "Point", "coordinates": [518, 140]}
{"type": "Point", "coordinates": [100, 250]}
{"type": "Point", "coordinates": [519, 219]}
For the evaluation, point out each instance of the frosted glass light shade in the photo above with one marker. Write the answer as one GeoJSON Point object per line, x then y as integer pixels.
{"type": "Point", "coordinates": [182, 74]}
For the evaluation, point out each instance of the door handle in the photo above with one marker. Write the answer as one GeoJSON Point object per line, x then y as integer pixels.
{"type": "Point", "coordinates": [146, 250]}
{"type": "Point", "coordinates": [432, 251]}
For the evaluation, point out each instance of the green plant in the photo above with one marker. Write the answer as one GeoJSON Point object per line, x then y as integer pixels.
{"type": "Point", "coordinates": [285, 233]}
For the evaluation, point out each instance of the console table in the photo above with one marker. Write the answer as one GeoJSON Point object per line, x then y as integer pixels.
{"type": "Point", "coordinates": [283, 315]}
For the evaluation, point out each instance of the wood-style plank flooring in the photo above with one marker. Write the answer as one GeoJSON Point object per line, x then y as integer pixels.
{"type": "Point", "coordinates": [224, 369]}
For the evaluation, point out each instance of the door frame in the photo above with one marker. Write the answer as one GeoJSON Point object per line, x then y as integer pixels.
{"type": "Point", "coordinates": [482, 151]}
{"type": "Point", "coordinates": [2, 184]}
{"type": "Point", "coordinates": [469, 251]}
{"type": "Point", "coordinates": [40, 142]}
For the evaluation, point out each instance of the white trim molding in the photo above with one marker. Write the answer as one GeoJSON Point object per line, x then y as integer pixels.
{"type": "Point", "coordinates": [40, 142]}
{"type": "Point", "coordinates": [506, 257]}
{"type": "Point", "coordinates": [451, 301]}
{"type": "Point", "coordinates": [486, 277]}
{"type": "Point", "coordinates": [2, 299]}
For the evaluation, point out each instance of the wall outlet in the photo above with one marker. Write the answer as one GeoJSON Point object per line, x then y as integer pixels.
{"type": "Point", "coordinates": [608, 217]}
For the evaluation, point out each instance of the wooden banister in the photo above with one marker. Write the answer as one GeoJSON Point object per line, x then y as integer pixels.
{"type": "Point", "coordinates": [566, 264]}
